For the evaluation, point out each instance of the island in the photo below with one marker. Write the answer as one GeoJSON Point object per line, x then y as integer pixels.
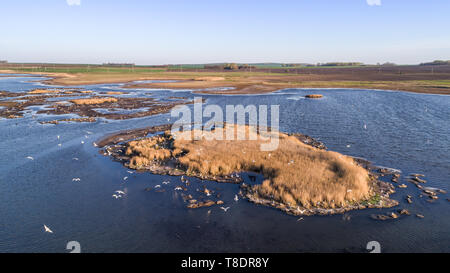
{"type": "Point", "coordinates": [301, 177]}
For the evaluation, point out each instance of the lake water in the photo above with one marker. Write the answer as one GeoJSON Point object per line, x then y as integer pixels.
{"type": "Point", "coordinates": [405, 131]}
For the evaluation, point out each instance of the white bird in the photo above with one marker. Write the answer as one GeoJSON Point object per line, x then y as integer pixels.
{"type": "Point", "coordinates": [299, 219]}
{"type": "Point", "coordinates": [348, 146]}
{"type": "Point", "coordinates": [76, 179]}
{"type": "Point", "coordinates": [166, 182]}
{"type": "Point", "coordinates": [178, 188]}
{"type": "Point", "coordinates": [225, 209]}
{"type": "Point", "coordinates": [365, 126]}
{"type": "Point", "coordinates": [82, 142]}
{"type": "Point", "coordinates": [120, 192]}
{"type": "Point", "coordinates": [349, 190]}
{"type": "Point", "coordinates": [59, 145]}
{"type": "Point", "coordinates": [301, 211]}
{"type": "Point", "coordinates": [95, 144]}
{"type": "Point", "coordinates": [57, 137]}
{"type": "Point", "coordinates": [125, 178]}
{"type": "Point", "coordinates": [236, 198]}
{"type": "Point", "coordinates": [116, 196]}
{"type": "Point", "coordinates": [129, 172]}
{"type": "Point", "coordinates": [157, 186]}
{"type": "Point", "coordinates": [86, 136]}
{"type": "Point", "coordinates": [75, 158]}
{"type": "Point", "coordinates": [47, 229]}
{"type": "Point", "coordinates": [30, 158]}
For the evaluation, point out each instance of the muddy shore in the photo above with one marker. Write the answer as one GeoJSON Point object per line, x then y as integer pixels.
{"type": "Point", "coordinates": [87, 104]}
{"type": "Point", "coordinates": [414, 78]}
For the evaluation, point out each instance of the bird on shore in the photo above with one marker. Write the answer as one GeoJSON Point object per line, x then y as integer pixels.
{"type": "Point", "coordinates": [301, 211]}
{"type": "Point", "coordinates": [225, 209]}
{"type": "Point", "coordinates": [47, 229]}
{"type": "Point", "coordinates": [30, 158]}
{"type": "Point", "coordinates": [76, 179]}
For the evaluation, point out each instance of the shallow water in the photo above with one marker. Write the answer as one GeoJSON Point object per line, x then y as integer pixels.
{"type": "Point", "coordinates": [405, 131]}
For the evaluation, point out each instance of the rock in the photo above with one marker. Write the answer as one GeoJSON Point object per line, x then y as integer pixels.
{"type": "Point", "coordinates": [420, 216]}
{"type": "Point", "coordinates": [417, 174]}
{"type": "Point", "coordinates": [434, 197]}
{"type": "Point", "coordinates": [419, 180]}
{"type": "Point", "coordinates": [402, 186]}
{"type": "Point", "coordinates": [403, 212]}
{"type": "Point", "coordinates": [393, 215]}
{"type": "Point", "coordinates": [148, 189]}
{"type": "Point", "coordinates": [409, 200]}
{"type": "Point", "coordinates": [192, 201]}
{"type": "Point", "coordinates": [314, 96]}
{"type": "Point", "coordinates": [381, 217]}
{"type": "Point", "coordinates": [395, 180]}
{"type": "Point", "coordinates": [429, 192]}
{"type": "Point", "coordinates": [220, 202]}
{"type": "Point", "coordinates": [207, 203]}
{"type": "Point", "coordinates": [396, 175]}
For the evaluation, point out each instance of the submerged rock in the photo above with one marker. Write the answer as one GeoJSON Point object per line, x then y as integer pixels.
{"type": "Point", "coordinates": [207, 203]}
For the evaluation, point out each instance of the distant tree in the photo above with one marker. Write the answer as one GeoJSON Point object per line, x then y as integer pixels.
{"type": "Point", "coordinates": [437, 62]}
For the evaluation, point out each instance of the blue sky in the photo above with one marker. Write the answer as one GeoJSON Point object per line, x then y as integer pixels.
{"type": "Point", "coordinates": [207, 31]}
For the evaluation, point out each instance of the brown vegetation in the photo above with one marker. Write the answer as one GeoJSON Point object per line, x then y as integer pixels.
{"type": "Point", "coordinates": [43, 91]}
{"type": "Point", "coordinates": [90, 101]}
{"type": "Point", "coordinates": [295, 174]}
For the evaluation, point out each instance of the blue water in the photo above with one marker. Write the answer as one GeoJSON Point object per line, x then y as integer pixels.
{"type": "Point", "coordinates": [405, 131]}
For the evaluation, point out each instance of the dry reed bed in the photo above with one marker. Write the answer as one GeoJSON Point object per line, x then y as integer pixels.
{"type": "Point", "coordinates": [296, 175]}
{"type": "Point", "coordinates": [91, 101]}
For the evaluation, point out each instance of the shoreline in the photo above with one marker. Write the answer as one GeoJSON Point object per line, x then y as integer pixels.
{"type": "Point", "coordinates": [248, 85]}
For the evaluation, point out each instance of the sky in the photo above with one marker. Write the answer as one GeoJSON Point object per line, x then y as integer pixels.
{"type": "Point", "coordinates": [210, 31]}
